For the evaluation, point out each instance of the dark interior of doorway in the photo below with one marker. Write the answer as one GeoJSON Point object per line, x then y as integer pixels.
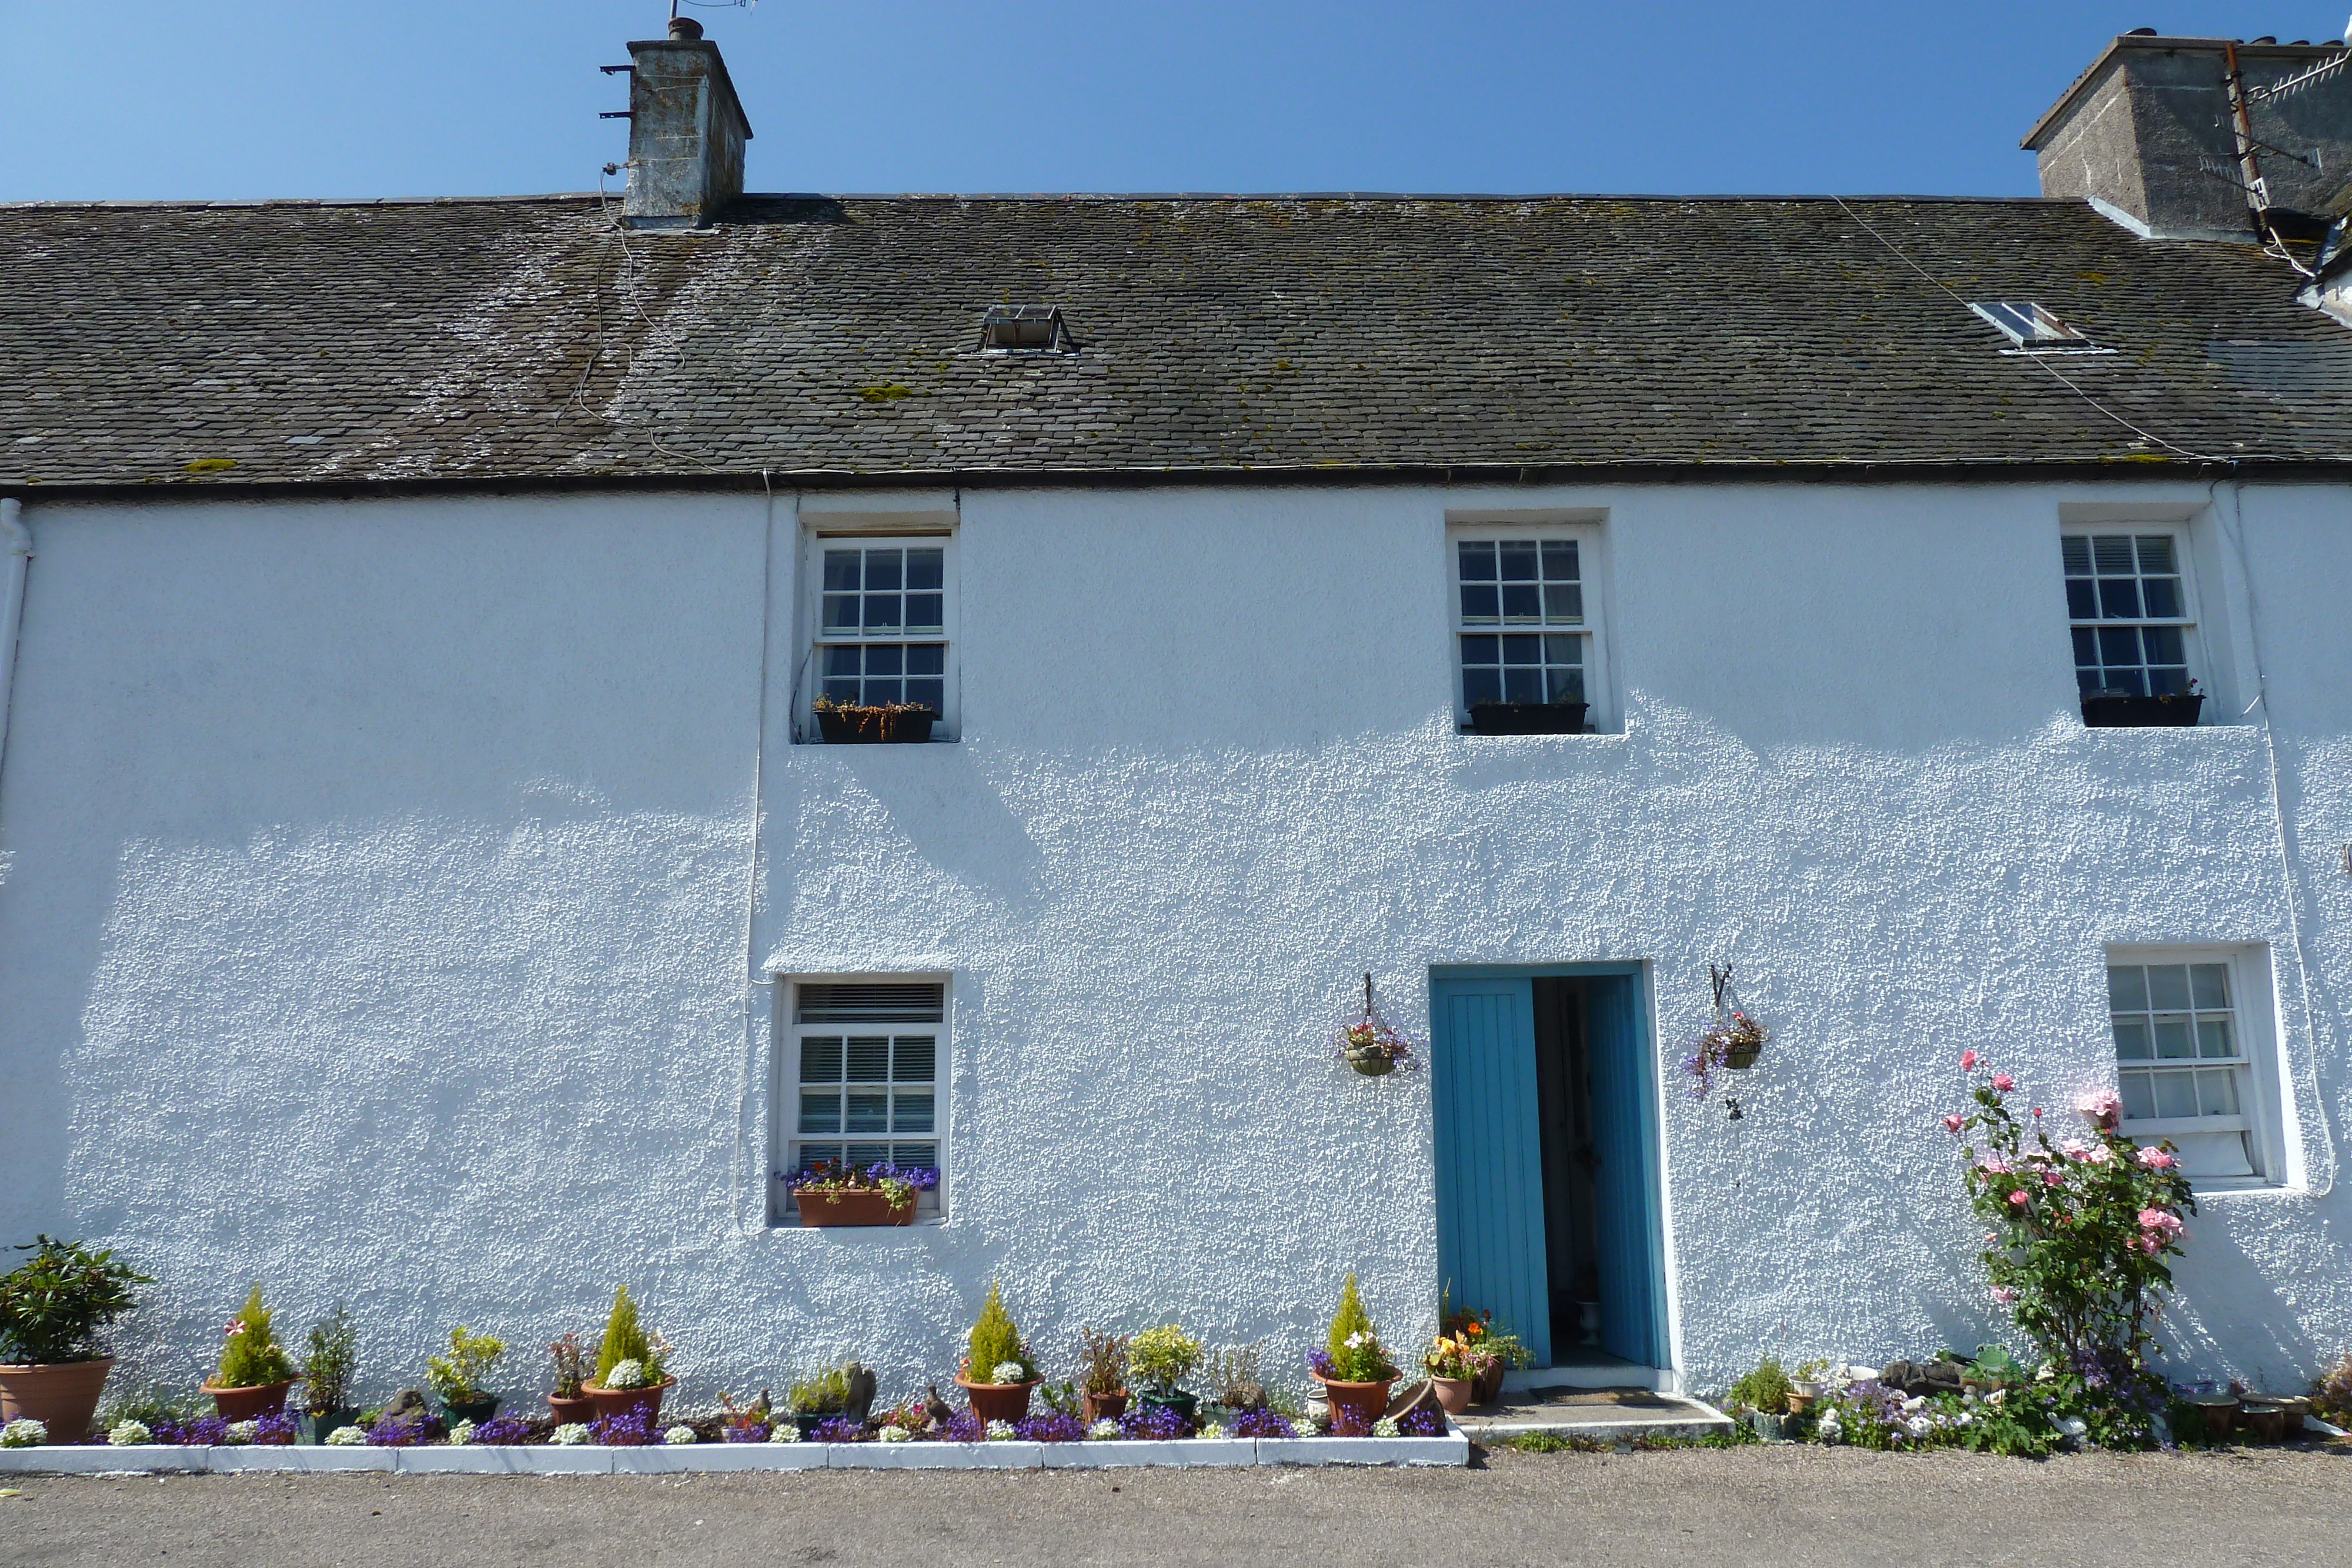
{"type": "Point", "coordinates": [1571, 1165]}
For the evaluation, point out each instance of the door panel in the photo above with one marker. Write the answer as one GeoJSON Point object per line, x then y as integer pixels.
{"type": "Point", "coordinates": [1631, 1285]}
{"type": "Point", "coordinates": [1490, 1221]}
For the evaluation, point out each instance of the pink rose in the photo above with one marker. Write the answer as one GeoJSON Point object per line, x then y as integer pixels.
{"type": "Point", "coordinates": [2016, 1200]}
{"type": "Point", "coordinates": [2003, 1082]}
{"type": "Point", "coordinates": [2004, 1294]}
{"type": "Point", "coordinates": [2157, 1160]}
{"type": "Point", "coordinates": [1968, 1062]}
{"type": "Point", "coordinates": [1994, 1166]}
{"type": "Point", "coordinates": [2101, 1105]}
{"type": "Point", "coordinates": [2100, 1154]}
{"type": "Point", "coordinates": [2157, 1220]}
{"type": "Point", "coordinates": [2052, 1179]}
{"type": "Point", "coordinates": [1952, 1124]}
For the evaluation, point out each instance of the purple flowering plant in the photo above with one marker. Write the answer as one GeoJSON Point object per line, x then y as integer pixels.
{"type": "Point", "coordinates": [1051, 1427]}
{"type": "Point", "coordinates": [897, 1183]}
{"type": "Point", "coordinates": [502, 1430]}
{"type": "Point", "coordinates": [627, 1428]}
{"type": "Point", "coordinates": [964, 1427]}
{"type": "Point", "coordinates": [1154, 1424]}
{"type": "Point", "coordinates": [1422, 1421]}
{"type": "Point", "coordinates": [1262, 1423]}
{"type": "Point", "coordinates": [391, 1434]}
{"type": "Point", "coordinates": [275, 1430]}
{"type": "Point", "coordinates": [838, 1429]}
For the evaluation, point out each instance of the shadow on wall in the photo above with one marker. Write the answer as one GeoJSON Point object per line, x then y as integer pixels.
{"type": "Point", "coordinates": [2264, 1342]}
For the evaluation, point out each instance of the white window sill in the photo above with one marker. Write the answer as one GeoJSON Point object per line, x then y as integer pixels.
{"type": "Point", "coordinates": [795, 1227]}
{"type": "Point", "coordinates": [2203, 1187]}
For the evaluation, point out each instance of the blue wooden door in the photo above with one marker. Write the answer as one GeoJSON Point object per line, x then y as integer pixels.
{"type": "Point", "coordinates": [1632, 1286]}
{"type": "Point", "coordinates": [1490, 1218]}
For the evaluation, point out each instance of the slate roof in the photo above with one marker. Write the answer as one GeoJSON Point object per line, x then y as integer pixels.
{"type": "Point", "coordinates": [531, 339]}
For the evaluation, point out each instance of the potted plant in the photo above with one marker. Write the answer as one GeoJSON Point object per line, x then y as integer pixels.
{"type": "Point", "coordinates": [832, 1193]}
{"type": "Point", "coordinates": [1455, 1367]}
{"type": "Point", "coordinates": [1527, 718]}
{"type": "Point", "coordinates": [54, 1307]}
{"type": "Point", "coordinates": [997, 1373]}
{"type": "Point", "coordinates": [1102, 1376]}
{"type": "Point", "coordinates": [330, 1361]}
{"type": "Point", "coordinates": [254, 1370]}
{"type": "Point", "coordinates": [630, 1376]}
{"type": "Point", "coordinates": [1733, 1041]}
{"type": "Point", "coordinates": [568, 1404]}
{"type": "Point", "coordinates": [1479, 1330]}
{"type": "Point", "coordinates": [2123, 710]}
{"type": "Point", "coordinates": [1763, 1395]}
{"type": "Point", "coordinates": [1161, 1359]}
{"type": "Point", "coordinates": [1353, 1367]}
{"type": "Point", "coordinates": [1370, 1045]}
{"type": "Point", "coordinates": [456, 1378]}
{"type": "Point", "coordinates": [818, 1399]}
{"type": "Point", "coordinates": [846, 724]}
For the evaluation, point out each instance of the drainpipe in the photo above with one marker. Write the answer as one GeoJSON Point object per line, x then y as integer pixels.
{"type": "Point", "coordinates": [16, 542]}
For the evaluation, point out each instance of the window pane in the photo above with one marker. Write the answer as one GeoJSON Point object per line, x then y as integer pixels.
{"type": "Point", "coordinates": [841, 571]}
{"type": "Point", "coordinates": [1481, 685]}
{"type": "Point", "coordinates": [1477, 556]}
{"type": "Point", "coordinates": [2118, 599]}
{"type": "Point", "coordinates": [927, 659]}
{"type": "Point", "coordinates": [2162, 597]}
{"type": "Point", "coordinates": [2131, 1040]}
{"type": "Point", "coordinates": [881, 612]}
{"type": "Point", "coordinates": [926, 612]}
{"type": "Point", "coordinates": [1560, 561]}
{"type": "Point", "coordinates": [2155, 555]}
{"type": "Point", "coordinates": [2112, 554]}
{"type": "Point", "coordinates": [883, 694]}
{"type": "Point", "coordinates": [2081, 601]}
{"type": "Point", "coordinates": [932, 694]}
{"type": "Point", "coordinates": [1480, 605]}
{"type": "Point", "coordinates": [2167, 987]}
{"type": "Point", "coordinates": [820, 1062]}
{"type": "Point", "coordinates": [2163, 645]}
{"type": "Point", "coordinates": [2217, 1092]}
{"type": "Point", "coordinates": [841, 613]}
{"type": "Point", "coordinates": [1567, 685]}
{"type": "Point", "coordinates": [885, 658]}
{"type": "Point", "coordinates": [1523, 685]}
{"type": "Point", "coordinates": [913, 1113]}
{"type": "Point", "coordinates": [864, 1155]}
{"type": "Point", "coordinates": [1523, 650]}
{"type": "Point", "coordinates": [916, 1156]}
{"type": "Point", "coordinates": [2172, 1039]}
{"type": "Point", "coordinates": [2209, 983]}
{"type": "Point", "coordinates": [820, 1113]}
{"type": "Point", "coordinates": [842, 663]}
{"type": "Point", "coordinates": [1482, 651]}
{"type": "Point", "coordinates": [1518, 560]}
{"type": "Point", "coordinates": [869, 1059]}
{"type": "Point", "coordinates": [2119, 645]}
{"type": "Point", "coordinates": [2076, 550]}
{"type": "Point", "coordinates": [2139, 1098]}
{"type": "Point", "coordinates": [1563, 649]}
{"type": "Point", "coordinates": [2213, 1039]}
{"type": "Point", "coordinates": [926, 569]}
{"type": "Point", "coordinates": [882, 567]}
{"type": "Point", "coordinates": [2176, 1093]}
{"type": "Point", "coordinates": [915, 1059]}
{"type": "Point", "coordinates": [1563, 603]}
{"type": "Point", "coordinates": [2164, 682]}
{"type": "Point", "coordinates": [812, 1155]}
{"type": "Point", "coordinates": [868, 1114]}
{"type": "Point", "coordinates": [2127, 988]}
{"type": "Point", "coordinates": [1522, 602]}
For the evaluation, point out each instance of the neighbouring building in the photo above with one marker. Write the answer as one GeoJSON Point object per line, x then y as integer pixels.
{"type": "Point", "coordinates": [426, 883]}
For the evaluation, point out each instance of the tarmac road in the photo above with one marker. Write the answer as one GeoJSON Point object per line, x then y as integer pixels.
{"type": "Point", "coordinates": [1807, 1506]}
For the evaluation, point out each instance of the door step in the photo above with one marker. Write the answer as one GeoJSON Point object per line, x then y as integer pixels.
{"type": "Point", "coordinates": [1607, 1415]}
{"type": "Point", "coordinates": [1610, 1373]}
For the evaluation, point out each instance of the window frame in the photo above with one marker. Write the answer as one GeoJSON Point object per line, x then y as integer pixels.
{"type": "Point", "coordinates": [2193, 651]}
{"type": "Point", "coordinates": [812, 643]}
{"type": "Point", "coordinates": [786, 1032]}
{"type": "Point", "coordinates": [1600, 713]}
{"type": "Point", "coordinates": [2253, 1018]}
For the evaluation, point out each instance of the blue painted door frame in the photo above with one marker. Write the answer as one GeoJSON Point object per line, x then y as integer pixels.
{"type": "Point", "coordinates": [1490, 1231]}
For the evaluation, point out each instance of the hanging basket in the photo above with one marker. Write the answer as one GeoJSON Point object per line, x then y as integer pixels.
{"type": "Point", "coordinates": [1371, 1045]}
{"type": "Point", "coordinates": [1734, 1040]}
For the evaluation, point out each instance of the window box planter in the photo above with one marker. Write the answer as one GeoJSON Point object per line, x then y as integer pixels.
{"type": "Point", "coordinates": [2116, 711]}
{"type": "Point", "coordinates": [1527, 718]}
{"type": "Point", "coordinates": [867, 725]}
{"type": "Point", "coordinates": [850, 1206]}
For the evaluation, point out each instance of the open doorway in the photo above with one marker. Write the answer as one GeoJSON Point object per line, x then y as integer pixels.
{"type": "Point", "coordinates": [1547, 1159]}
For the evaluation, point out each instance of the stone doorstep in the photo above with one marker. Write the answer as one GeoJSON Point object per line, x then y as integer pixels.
{"type": "Point", "coordinates": [1611, 1421]}
{"type": "Point", "coordinates": [547, 1458]}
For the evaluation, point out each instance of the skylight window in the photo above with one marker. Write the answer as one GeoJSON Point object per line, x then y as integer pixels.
{"type": "Point", "coordinates": [2030, 326]}
{"type": "Point", "coordinates": [1034, 327]}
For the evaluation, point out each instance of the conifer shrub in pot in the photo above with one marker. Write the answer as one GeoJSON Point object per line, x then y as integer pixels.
{"type": "Point", "coordinates": [631, 1376]}
{"type": "Point", "coordinates": [329, 1362]}
{"type": "Point", "coordinates": [1354, 1369]}
{"type": "Point", "coordinates": [455, 1379]}
{"type": "Point", "coordinates": [54, 1308]}
{"type": "Point", "coordinates": [1161, 1359]}
{"type": "Point", "coordinates": [997, 1374]}
{"type": "Point", "coordinates": [254, 1371]}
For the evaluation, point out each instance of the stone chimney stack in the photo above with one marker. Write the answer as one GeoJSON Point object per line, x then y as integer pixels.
{"type": "Point", "coordinates": [687, 131]}
{"type": "Point", "coordinates": [2192, 138]}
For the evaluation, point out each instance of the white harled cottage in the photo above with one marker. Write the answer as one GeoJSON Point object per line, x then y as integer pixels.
{"type": "Point", "coordinates": [427, 881]}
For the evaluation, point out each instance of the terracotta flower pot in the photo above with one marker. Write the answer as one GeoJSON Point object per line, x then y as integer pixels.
{"type": "Point", "coordinates": [849, 1206]}
{"type": "Point", "coordinates": [245, 1404]}
{"type": "Point", "coordinates": [997, 1401]}
{"type": "Point", "coordinates": [1103, 1406]}
{"type": "Point", "coordinates": [1368, 1402]}
{"type": "Point", "coordinates": [61, 1395]}
{"type": "Point", "coordinates": [1488, 1386]}
{"type": "Point", "coordinates": [619, 1401]}
{"type": "Point", "coordinates": [566, 1411]}
{"type": "Point", "coordinates": [1455, 1394]}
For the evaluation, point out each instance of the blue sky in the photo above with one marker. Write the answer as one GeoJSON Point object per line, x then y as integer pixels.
{"type": "Point", "coordinates": [365, 98]}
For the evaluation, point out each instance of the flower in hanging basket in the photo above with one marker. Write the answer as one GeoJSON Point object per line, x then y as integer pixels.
{"type": "Point", "coordinates": [1733, 1041]}
{"type": "Point", "coordinates": [1374, 1049]}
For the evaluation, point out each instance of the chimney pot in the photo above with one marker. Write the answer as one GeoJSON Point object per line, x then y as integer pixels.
{"type": "Point", "coordinates": [685, 29]}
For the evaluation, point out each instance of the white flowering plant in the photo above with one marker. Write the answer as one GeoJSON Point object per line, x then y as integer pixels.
{"type": "Point", "coordinates": [241, 1432]}
{"type": "Point", "coordinates": [130, 1434]}
{"type": "Point", "coordinates": [629, 1373]}
{"type": "Point", "coordinates": [895, 1434]}
{"type": "Point", "coordinates": [347, 1437]}
{"type": "Point", "coordinates": [678, 1436]}
{"type": "Point", "coordinates": [571, 1435]}
{"type": "Point", "coordinates": [23, 1433]}
{"type": "Point", "coordinates": [1103, 1432]}
{"type": "Point", "coordinates": [462, 1433]}
{"type": "Point", "coordinates": [1001, 1432]}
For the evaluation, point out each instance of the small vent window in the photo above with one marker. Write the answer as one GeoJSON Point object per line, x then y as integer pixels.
{"type": "Point", "coordinates": [2030, 326]}
{"type": "Point", "coordinates": [885, 1002]}
{"type": "Point", "coordinates": [1036, 328]}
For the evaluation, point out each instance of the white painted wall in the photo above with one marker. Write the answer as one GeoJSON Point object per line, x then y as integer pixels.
{"type": "Point", "coordinates": [378, 874]}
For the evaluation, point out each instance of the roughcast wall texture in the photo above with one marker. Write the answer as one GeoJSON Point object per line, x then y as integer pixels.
{"type": "Point", "coordinates": [392, 891]}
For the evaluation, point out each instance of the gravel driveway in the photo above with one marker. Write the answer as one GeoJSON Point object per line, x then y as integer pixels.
{"type": "Point", "coordinates": [1779, 1505]}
